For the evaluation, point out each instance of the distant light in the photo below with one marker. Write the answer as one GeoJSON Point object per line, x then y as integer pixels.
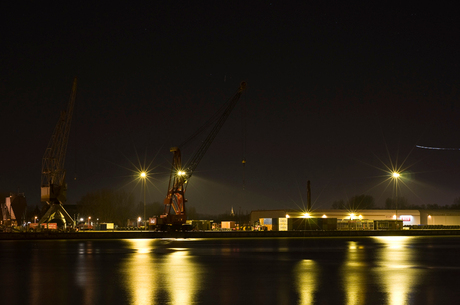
{"type": "Point", "coordinates": [360, 216]}
{"type": "Point", "coordinates": [352, 216]}
{"type": "Point", "coordinates": [395, 175]}
{"type": "Point", "coordinates": [139, 218]}
{"type": "Point", "coordinates": [429, 216]}
{"type": "Point", "coordinates": [81, 219]}
{"type": "Point", "coordinates": [180, 173]}
{"type": "Point", "coordinates": [287, 216]}
{"type": "Point", "coordinates": [324, 216]}
{"type": "Point", "coordinates": [306, 215]}
{"type": "Point", "coordinates": [143, 174]}
{"type": "Point", "coordinates": [394, 216]}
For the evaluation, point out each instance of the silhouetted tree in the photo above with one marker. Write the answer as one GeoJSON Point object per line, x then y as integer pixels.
{"type": "Point", "coordinates": [361, 202]}
{"type": "Point", "coordinates": [338, 204]}
{"type": "Point", "coordinates": [402, 203]}
{"type": "Point", "coordinates": [108, 205]}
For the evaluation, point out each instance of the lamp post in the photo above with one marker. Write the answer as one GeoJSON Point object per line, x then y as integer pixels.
{"type": "Point", "coordinates": [89, 218]}
{"type": "Point", "coordinates": [396, 176]}
{"type": "Point", "coordinates": [144, 176]}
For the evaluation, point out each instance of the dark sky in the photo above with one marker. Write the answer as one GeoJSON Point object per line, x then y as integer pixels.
{"type": "Point", "coordinates": [335, 91]}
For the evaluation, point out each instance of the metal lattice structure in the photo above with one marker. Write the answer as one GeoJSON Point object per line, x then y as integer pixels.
{"type": "Point", "coordinates": [175, 199]}
{"type": "Point", "coordinates": [53, 186]}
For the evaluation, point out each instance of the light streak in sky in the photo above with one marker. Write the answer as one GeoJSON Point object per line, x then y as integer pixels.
{"type": "Point", "coordinates": [436, 148]}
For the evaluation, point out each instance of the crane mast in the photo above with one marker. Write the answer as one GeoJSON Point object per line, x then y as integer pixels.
{"type": "Point", "coordinates": [53, 186]}
{"type": "Point", "coordinates": [175, 198]}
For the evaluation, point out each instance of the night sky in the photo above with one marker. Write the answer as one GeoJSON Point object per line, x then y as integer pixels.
{"type": "Point", "coordinates": [335, 91]}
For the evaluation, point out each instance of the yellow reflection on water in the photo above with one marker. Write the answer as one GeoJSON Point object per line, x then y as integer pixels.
{"type": "Point", "coordinates": [182, 276]}
{"type": "Point", "coordinates": [140, 272]}
{"type": "Point", "coordinates": [397, 271]}
{"type": "Point", "coordinates": [158, 272]}
{"type": "Point", "coordinates": [354, 273]}
{"type": "Point", "coordinates": [307, 273]}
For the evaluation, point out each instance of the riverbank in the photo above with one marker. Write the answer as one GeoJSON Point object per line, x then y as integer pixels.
{"type": "Point", "coordinates": [218, 234]}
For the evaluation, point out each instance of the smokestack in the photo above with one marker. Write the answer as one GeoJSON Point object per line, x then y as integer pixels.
{"type": "Point", "coordinates": [308, 196]}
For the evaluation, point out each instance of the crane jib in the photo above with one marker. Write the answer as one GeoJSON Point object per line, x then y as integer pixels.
{"type": "Point", "coordinates": [175, 198]}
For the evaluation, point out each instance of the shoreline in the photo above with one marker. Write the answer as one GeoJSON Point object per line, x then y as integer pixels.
{"type": "Point", "coordinates": [218, 234]}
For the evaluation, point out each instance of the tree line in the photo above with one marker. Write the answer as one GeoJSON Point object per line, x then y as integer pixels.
{"type": "Point", "coordinates": [118, 206]}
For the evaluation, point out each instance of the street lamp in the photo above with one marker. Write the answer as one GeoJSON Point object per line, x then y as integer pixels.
{"type": "Point", "coordinates": [144, 177]}
{"type": "Point", "coordinates": [396, 176]}
{"type": "Point", "coordinates": [138, 221]}
{"type": "Point", "coordinates": [89, 218]}
{"type": "Point", "coordinates": [35, 219]}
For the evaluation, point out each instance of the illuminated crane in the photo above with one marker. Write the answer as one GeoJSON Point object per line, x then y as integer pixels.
{"type": "Point", "coordinates": [175, 198]}
{"type": "Point", "coordinates": [53, 186]}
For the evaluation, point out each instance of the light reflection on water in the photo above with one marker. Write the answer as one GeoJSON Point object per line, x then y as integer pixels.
{"type": "Point", "coordinates": [354, 274]}
{"type": "Point", "coordinates": [139, 272]}
{"type": "Point", "coordinates": [307, 273]}
{"type": "Point", "coordinates": [156, 273]}
{"type": "Point", "coordinates": [84, 277]}
{"type": "Point", "coordinates": [397, 270]}
{"type": "Point", "coordinates": [367, 270]}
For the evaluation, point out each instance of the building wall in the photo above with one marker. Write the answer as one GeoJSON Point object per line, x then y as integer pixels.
{"type": "Point", "coordinates": [440, 217]}
{"type": "Point", "coordinates": [409, 217]}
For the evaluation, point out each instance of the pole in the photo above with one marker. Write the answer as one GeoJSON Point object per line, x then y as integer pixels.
{"type": "Point", "coordinates": [144, 206]}
{"type": "Point", "coordinates": [396, 198]}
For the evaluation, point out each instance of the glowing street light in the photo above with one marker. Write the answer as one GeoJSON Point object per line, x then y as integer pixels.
{"type": "Point", "coordinates": [144, 177]}
{"type": "Point", "coordinates": [396, 176]}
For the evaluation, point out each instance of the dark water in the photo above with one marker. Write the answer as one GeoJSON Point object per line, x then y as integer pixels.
{"type": "Point", "coordinates": [368, 270]}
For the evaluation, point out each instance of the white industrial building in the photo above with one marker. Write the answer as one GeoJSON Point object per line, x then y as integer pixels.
{"type": "Point", "coordinates": [409, 217]}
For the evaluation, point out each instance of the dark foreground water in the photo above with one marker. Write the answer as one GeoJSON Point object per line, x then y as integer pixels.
{"type": "Point", "coordinates": [367, 270]}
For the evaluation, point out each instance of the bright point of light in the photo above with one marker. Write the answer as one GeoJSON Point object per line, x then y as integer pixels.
{"type": "Point", "coordinates": [180, 173]}
{"type": "Point", "coordinates": [306, 215]}
{"type": "Point", "coordinates": [139, 218]}
{"type": "Point", "coordinates": [287, 216]}
{"type": "Point", "coordinates": [394, 216]}
{"type": "Point", "coordinates": [143, 174]}
{"type": "Point", "coordinates": [360, 216]}
{"type": "Point", "coordinates": [395, 175]}
{"type": "Point", "coordinates": [352, 216]}
{"type": "Point", "coordinates": [81, 219]}
{"type": "Point", "coordinates": [324, 216]}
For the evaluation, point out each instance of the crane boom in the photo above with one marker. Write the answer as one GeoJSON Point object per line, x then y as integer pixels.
{"type": "Point", "coordinates": [175, 198]}
{"type": "Point", "coordinates": [191, 166]}
{"type": "Point", "coordinates": [53, 186]}
{"type": "Point", "coordinates": [54, 158]}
